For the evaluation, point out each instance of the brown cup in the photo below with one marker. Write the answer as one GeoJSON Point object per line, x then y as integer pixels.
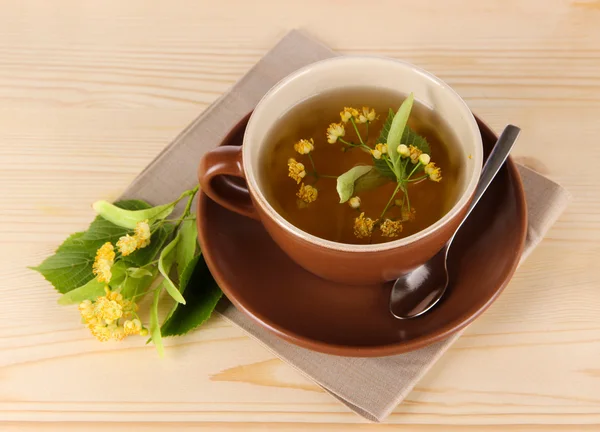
{"type": "Point", "coordinates": [220, 169]}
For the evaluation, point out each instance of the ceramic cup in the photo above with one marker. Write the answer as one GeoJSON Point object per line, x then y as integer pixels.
{"type": "Point", "coordinates": [340, 262]}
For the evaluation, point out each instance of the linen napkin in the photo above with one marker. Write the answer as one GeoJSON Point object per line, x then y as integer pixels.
{"type": "Point", "coordinates": [372, 387]}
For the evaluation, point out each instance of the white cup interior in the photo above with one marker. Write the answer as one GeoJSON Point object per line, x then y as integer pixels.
{"type": "Point", "coordinates": [356, 71]}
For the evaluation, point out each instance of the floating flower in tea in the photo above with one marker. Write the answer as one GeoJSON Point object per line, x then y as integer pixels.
{"type": "Point", "coordinates": [390, 228]}
{"type": "Point", "coordinates": [363, 226]}
{"type": "Point", "coordinates": [307, 193]}
{"type": "Point", "coordinates": [304, 146]}
{"type": "Point", "coordinates": [348, 113]}
{"type": "Point", "coordinates": [296, 170]}
{"type": "Point", "coordinates": [367, 115]}
{"type": "Point", "coordinates": [354, 202]}
{"type": "Point", "coordinates": [335, 131]}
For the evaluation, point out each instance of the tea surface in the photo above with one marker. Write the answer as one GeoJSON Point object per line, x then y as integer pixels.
{"type": "Point", "coordinates": [326, 217]}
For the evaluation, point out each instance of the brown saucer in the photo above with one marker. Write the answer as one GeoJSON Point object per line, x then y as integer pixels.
{"type": "Point", "coordinates": [354, 320]}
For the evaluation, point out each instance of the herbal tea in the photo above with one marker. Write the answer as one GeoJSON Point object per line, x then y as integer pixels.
{"type": "Point", "coordinates": [346, 167]}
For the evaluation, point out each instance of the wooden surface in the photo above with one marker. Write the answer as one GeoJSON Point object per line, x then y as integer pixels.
{"type": "Point", "coordinates": [91, 91]}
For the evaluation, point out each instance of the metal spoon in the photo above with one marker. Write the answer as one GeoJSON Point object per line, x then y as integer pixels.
{"type": "Point", "coordinates": [417, 292]}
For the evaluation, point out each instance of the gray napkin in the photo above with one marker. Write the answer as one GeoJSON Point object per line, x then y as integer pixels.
{"type": "Point", "coordinates": [372, 387]}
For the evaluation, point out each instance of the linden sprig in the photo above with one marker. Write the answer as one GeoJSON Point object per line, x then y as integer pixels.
{"type": "Point", "coordinates": [130, 250]}
{"type": "Point", "coordinates": [399, 154]}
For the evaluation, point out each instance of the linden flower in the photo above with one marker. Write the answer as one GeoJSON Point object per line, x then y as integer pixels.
{"type": "Point", "coordinates": [367, 115]}
{"type": "Point", "coordinates": [376, 153]}
{"type": "Point", "coordinates": [354, 202]}
{"type": "Point", "coordinates": [304, 146]}
{"type": "Point", "coordinates": [108, 310]}
{"type": "Point", "coordinates": [414, 154]}
{"type": "Point", "coordinates": [105, 258]}
{"type": "Point", "coordinates": [307, 193]}
{"type": "Point", "coordinates": [424, 159]}
{"type": "Point", "coordinates": [102, 316]}
{"type": "Point", "coordinates": [335, 131]}
{"type": "Point", "coordinates": [348, 113]}
{"type": "Point", "coordinates": [408, 215]}
{"type": "Point", "coordinates": [403, 150]}
{"type": "Point", "coordinates": [142, 234]}
{"type": "Point", "coordinates": [127, 244]}
{"type": "Point", "coordinates": [100, 332]}
{"type": "Point", "coordinates": [363, 227]}
{"type": "Point", "coordinates": [132, 327]}
{"type": "Point", "coordinates": [296, 170]}
{"type": "Point", "coordinates": [434, 173]}
{"type": "Point", "coordinates": [390, 228]}
{"type": "Point", "coordinates": [383, 148]}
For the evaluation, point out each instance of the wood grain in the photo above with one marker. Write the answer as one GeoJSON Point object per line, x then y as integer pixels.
{"type": "Point", "coordinates": [91, 91]}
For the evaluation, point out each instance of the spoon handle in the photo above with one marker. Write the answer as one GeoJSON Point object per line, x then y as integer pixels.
{"type": "Point", "coordinates": [494, 162]}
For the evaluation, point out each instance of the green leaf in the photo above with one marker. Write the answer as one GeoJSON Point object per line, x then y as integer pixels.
{"type": "Point", "coordinates": [155, 332]}
{"type": "Point", "coordinates": [165, 261]}
{"type": "Point", "coordinates": [137, 273]}
{"type": "Point", "coordinates": [71, 265]}
{"type": "Point", "coordinates": [126, 218]}
{"type": "Point", "coordinates": [184, 279]}
{"type": "Point", "coordinates": [385, 130]}
{"type": "Point", "coordinates": [345, 182]}
{"type": "Point", "coordinates": [143, 256]}
{"type": "Point", "coordinates": [67, 269]}
{"type": "Point", "coordinates": [410, 137]}
{"type": "Point", "coordinates": [89, 291]}
{"type": "Point", "coordinates": [73, 242]}
{"type": "Point", "coordinates": [397, 129]}
{"type": "Point", "coordinates": [372, 180]}
{"type": "Point", "coordinates": [383, 168]}
{"type": "Point", "coordinates": [186, 247]}
{"type": "Point", "coordinates": [202, 293]}
{"type": "Point", "coordinates": [132, 286]}
{"type": "Point", "coordinates": [93, 288]}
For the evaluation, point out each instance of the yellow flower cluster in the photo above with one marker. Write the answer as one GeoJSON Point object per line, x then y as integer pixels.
{"type": "Point", "coordinates": [304, 146]}
{"type": "Point", "coordinates": [434, 173]}
{"type": "Point", "coordinates": [416, 155]}
{"type": "Point", "coordinates": [390, 228]}
{"type": "Point", "coordinates": [348, 113]}
{"type": "Point", "coordinates": [307, 193]}
{"type": "Point", "coordinates": [105, 258]}
{"type": "Point", "coordinates": [363, 227]}
{"type": "Point", "coordinates": [407, 215]}
{"type": "Point", "coordinates": [335, 131]}
{"type": "Point", "coordinates": [129, 244]}
{"type": "Point", "coordinates": [380, 149]}
{"type": "Point", "coordinates": [296, 170]}
{"type": "Point", "coordinates": [367, 115]}
{"type": "Point", "coordinates": [103, 316]}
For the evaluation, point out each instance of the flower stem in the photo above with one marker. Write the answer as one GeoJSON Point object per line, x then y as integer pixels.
{"type": "Point", "coordinates": [357, 132]}
{"type": "Point", "coordinates": [191, 193]}
{"type": "Point", "coordinates": [313, 164]}
{"type": "Point", "coordinates": [367, 138]}
{"type": "Point", "coordinates": [391, 199]}
{"type": "Point", "coordinates": [417, 179]}
{"type": "Point", "coordinates": [414, 169]}
{"type": "Point", "coordinates": [351, 144]}
{"type": "Point", "coordinates": [405, 190]}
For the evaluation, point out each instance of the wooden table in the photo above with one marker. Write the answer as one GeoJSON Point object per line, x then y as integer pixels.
{"type": "Point", "coordinates": [91, 91]}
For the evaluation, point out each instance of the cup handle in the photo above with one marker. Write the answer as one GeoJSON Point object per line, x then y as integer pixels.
{"type": "Point", "coordinates": [213, 170]}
